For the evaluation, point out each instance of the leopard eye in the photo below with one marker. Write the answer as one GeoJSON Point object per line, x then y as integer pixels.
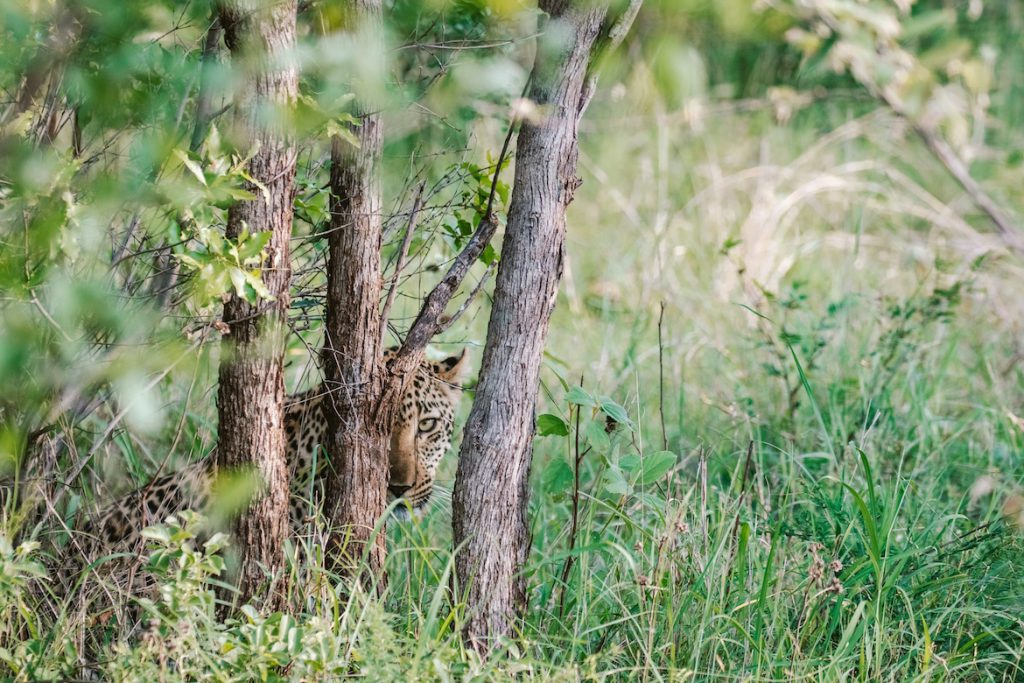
{"type": "Point", "coordinates": [427, 424]}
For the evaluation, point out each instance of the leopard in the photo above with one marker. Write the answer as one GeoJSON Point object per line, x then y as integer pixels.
{"type": "Point", "coordinates": [420, 437]}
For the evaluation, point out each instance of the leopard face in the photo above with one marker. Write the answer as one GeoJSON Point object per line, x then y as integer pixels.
{"type": "Point", "coordinates": [420, 437]}
{"type": "Point", "coordinates": [422, 432]}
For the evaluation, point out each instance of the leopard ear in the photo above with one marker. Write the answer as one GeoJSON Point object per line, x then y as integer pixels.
{"type": "Point", "coordinates": [390, 353]}
{"type": "Point", "coordinates": [452, 369]}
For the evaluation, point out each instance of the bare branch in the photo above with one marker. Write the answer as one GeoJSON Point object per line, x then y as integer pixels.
{"type": "Point", "coordinates": [958, 169]}
{"type": "Point", "coordinates": [426, 324]}
{"type": "Point", "coordinates": [410, 228]}
{"type": "Point", "coordinates": [947, 156]}
{"type": "Point", "coordinates": [616, 34]}
{"type": "Point", "coordinates": [621, 27]}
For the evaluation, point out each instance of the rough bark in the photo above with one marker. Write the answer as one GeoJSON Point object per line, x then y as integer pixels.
{"type": "Point", "coordinates": [250, 401]}
{"type": "Point", "coordinates": [489, 502]}
{"type": "Point", "coordinates": [357, 435]}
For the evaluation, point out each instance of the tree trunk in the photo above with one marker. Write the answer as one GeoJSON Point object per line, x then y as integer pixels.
{"type": "Point", "coordinates": [358, 433]}
{"type": "Point", "coordinates": [250, 400]}
{"type": "Point", "coordinates": [489, 502]}
{"type": "Point", "coordinates": [364, 393]}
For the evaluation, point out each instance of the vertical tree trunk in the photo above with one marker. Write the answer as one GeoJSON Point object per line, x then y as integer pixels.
{"type": "Point", "coordinates": [250, 401]}
{"type": "Point", "coordinates": [364, 394]}
{"type": "Point", "coordinates": [489, 502]}
{"type": "Point", "coordinates": [357, 435]}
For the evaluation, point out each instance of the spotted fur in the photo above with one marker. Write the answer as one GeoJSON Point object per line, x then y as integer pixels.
{"type": "Point", "coordinates": [420, 437]}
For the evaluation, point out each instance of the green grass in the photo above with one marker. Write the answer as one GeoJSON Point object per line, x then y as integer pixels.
{"type": "Point", "coordinates": [838, 378]}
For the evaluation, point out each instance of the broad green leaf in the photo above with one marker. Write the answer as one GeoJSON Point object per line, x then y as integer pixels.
{"type": "Point", "coordinates": [160, 534]}
{"type": "Point", "coordinates": [489, 255]}
{"type": "Point", "coordinates": [551, 425]}
{"type": "Point", "coordinates": [259, 287]}
{"type": "Point", "coordinates": [191, 165]}
{"type": "Point", "coordinates": [580, 397]}
{"type": "Point", "coordinates": [616, 412]}
{"type": "Point", "coordinates": [598, 437]}
{"type": "Point", "coordinates": [238, 280]}
{"type": "Point", "coordinates": [558, 477]}
{"type": "Point", "coordinates": [340, 128]}
{"type": "Point", "coordinates": [650, 467]}
{"type": "Point", "coordinates": [655, 465]}
{"type": "Point", "coordinates": [615, 482]}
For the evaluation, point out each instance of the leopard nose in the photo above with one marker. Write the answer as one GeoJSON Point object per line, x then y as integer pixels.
{"type": "Point", "coordinates": [398, 490]}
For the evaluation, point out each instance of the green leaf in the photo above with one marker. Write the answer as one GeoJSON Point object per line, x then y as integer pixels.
{"type": "Point", "coordinates": [191, 165]}
{"type": "Point", "coordinates": [340, 128]}
{"type": "Point", "coordinates": [489, 255]}
{"type": "Point", "coordinates": [238, 194]}
{"type": "Point", "coordinates": [558, 477]}
{"type": "Point", "coordinates": [218, 541]}
{"type": "Point", "coordinates": [597, 437]}
{"type": "Point", "coordinates": [259, 287]}
{"type": "Point", "coordinates": [551, 425]}
{"type": "Point", "coordinates": [580, 397]}
{"type": "Point", "coordinates": [655, 465]}
{"type": "Point", "coordinates": [257, 184]}
{"type": "Point", "coordinates": [616, 412]}
{"type": "Point", "coordinates": [238, 280]}
{"type": "Point", "coordinates": [252, 248]}
{"type": "Point", "coordinates": [615, 482]}
{"type": "Point", "coordinates": [160, 534]}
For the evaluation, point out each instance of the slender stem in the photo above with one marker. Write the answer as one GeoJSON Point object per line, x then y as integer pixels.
{"type": "Point", "coordinates": [661, 378]}
{"type": "Point", "coordinates": [569, 560]}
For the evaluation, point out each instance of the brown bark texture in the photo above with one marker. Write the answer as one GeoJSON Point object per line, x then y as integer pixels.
{"type": "Point", "coordinates": [489, 502]}
{"type": "Point", "coordinates": [250, 400]}
{"type": "Point", "coordinates": [358, 433]}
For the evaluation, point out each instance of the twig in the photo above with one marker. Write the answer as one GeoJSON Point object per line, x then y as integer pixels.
{"type": "Point", "coordinates": [84, 462]}
{"type": "Point", "coordinates": [445, 323]}
{"type": "Point", "coordinates": [410, 228]}
{"type": "Point", "coordinates": [46, 314]}
{"type": "Point", "coordinates": [743, 485]}
{"type": "Point", "coordinates": [76, 133]}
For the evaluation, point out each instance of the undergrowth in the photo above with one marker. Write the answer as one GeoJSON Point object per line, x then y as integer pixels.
{"type": "Point", "coordinates": [763, 454]}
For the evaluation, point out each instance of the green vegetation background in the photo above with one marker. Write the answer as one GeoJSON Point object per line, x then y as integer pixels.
{"type": "Point", "coordinates": [797, 449]}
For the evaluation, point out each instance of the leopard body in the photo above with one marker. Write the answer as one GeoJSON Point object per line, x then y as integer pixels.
{"type": "Point", "coordinates": [421, 435]}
